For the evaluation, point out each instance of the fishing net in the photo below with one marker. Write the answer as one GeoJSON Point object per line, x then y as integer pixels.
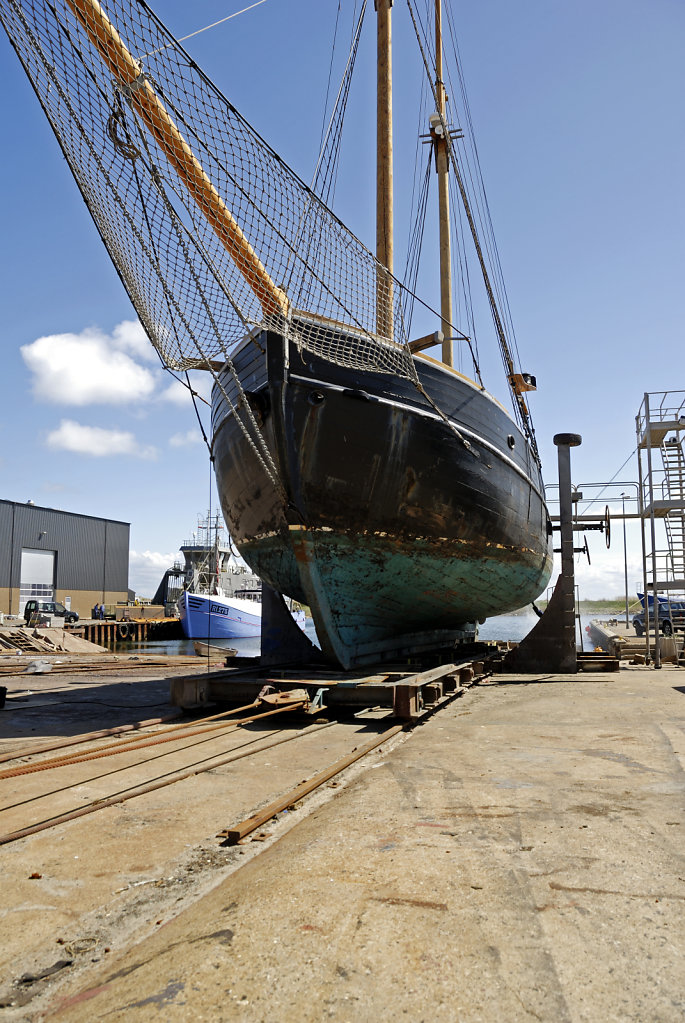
{"type": "Point", "coordinates": [211, 233]}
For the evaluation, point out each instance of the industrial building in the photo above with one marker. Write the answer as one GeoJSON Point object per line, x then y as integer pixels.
{"type": "Point", "coordinates": [49, 554]}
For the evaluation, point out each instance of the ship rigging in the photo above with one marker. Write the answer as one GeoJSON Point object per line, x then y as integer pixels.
{"type": "Point", "coordinates": [357, 474]}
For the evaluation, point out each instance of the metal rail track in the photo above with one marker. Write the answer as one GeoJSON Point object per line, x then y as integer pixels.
{"type": "Point", "coordinates": [102, 733]}
{"type": "Point", "coordinates": [407, 698]}
{"type": "Point", "coordinates": [211, 763]}
{"type": "Point", "coordinates": [235, 834]}
{"type": "Point", "coordinates": [140, 742]}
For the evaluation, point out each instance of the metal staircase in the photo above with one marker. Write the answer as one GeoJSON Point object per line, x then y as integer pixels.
{"type": "Point", "coordinates": [673, 461]}
{"type": "Point", "coordinates": [660, 425]}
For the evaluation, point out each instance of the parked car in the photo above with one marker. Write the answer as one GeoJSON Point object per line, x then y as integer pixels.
{"type": "Point", "coordinates": [48, 607]}
{"type": "Point", "coordinates": [670, 618]}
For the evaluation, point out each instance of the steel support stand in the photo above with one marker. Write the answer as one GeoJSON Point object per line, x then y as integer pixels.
{"type": "Point", "coordinates": [564, 442]}
{"type": "Point", "coordinates": [551, 645]}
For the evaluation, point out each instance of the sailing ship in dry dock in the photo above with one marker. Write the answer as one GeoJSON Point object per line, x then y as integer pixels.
{"type": "Point", "coordinates": [357, 474]}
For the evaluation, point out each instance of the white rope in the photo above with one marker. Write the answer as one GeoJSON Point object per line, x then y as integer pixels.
{"type": "Point", "coordinates": [199, 31]}
{"type": "Point", "coordinates": [214, 24]}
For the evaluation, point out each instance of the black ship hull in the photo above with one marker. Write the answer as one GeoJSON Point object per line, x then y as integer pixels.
{"type": "Point", "coordinates": [400, 519]}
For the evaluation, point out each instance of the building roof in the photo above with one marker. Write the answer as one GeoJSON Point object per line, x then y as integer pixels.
{"type": "Point", "coordinates": [60, 511]}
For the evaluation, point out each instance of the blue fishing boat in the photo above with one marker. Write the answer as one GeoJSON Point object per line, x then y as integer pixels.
{"type": "Point", "coordinates": [215, 616]}
{"type": "Point", "coordinates": [221, 599]}
{"type": "Point", "coordinates": [218, 617]}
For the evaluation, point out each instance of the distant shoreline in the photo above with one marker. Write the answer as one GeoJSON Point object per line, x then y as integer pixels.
{"type": "Point", "coordinates": [615, 605]}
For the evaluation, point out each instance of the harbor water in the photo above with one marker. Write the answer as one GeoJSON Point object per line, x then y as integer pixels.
{"type": "Point", "coordinates": [503, 627]}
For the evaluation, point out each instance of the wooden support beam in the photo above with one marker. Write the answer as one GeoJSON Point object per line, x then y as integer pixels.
{"type": "Point", "coordinates": [432, 692]}
{"type": "Point", "coordinates": [407, 701]}
{"type": "Point", "coordinates": [427, 341]}
{"type": "Point", "coordinates": [466, 675]}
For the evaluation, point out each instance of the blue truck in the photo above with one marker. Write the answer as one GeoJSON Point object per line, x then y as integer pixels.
{"type": "Point", "coordinates": [671, 618]}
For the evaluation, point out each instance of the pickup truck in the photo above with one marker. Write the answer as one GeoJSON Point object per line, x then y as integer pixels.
{"type": "Point", "coordinates": [48, 607]}
{"type": "Point", "coordinates": [675, 615]}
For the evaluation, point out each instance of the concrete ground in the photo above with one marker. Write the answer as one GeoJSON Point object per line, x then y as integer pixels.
{"type": "Point", "coordinates": [104, 880]}
{"type": "Point", "coordinates": [518, 857]}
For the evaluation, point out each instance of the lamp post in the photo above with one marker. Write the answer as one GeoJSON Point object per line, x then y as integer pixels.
{"type": "Point", "coordinates": [625, 557]}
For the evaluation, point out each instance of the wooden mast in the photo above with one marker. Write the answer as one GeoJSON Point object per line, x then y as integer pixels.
{"type": "Point", "coordinates": [384, 184]}
{"type": "Point", "coordinates": [439, 133]}
{"type": "Point", "coordinates": [142, 97]}
{"type": "Point", "coordinates": [441, 146]}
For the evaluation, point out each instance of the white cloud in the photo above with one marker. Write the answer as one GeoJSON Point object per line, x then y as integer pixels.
{"type": "Point", "coordinates": [187, 439]}
{"type": "Point", "coordinates": [605, 577]}
{"type": "Point", "coordinates": [90, 367]}
{"type": "Point", "coordinates": [146, 569]}
{"type": "Point", "coordinates": [177, 393]}
{"type": "Point", "coordinates": [202, 382]}
{"type": "Point", "coordinates": [96, 441]}
{"type": "Point", "coordinates": [129, 336]}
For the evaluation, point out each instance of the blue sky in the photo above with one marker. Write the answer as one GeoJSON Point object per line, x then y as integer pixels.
{"type": "Point", "coordinates": [577, 110]}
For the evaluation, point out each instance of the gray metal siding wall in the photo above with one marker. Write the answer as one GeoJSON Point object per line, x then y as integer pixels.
{"type": "Point", "coordinates": [6, 542]}
{"type": "Point", "coordinates": [116, 560]}
{"type": "Point", "coordinates": [92, 554]}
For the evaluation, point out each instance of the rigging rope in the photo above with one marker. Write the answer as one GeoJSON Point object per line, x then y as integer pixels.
{"type": "Point", "coordinates": [480, 187]}
{"type": "Point", "coordinates": [324, 130]}
{"type": "Point", "coordinates": [205, 224]}
{"type": "Point", "coordinates": [476, 179]}
{"type": "Point", "coordinates": [414, 246]}
{"type": "Point", "coordinates": [325, 173]}
{"type": "Point", "coordinates": [586, 506]}
{"type": "Point", "coordinates": [520, 407]}
{"type": "Point", "coordinates": [199, 31]}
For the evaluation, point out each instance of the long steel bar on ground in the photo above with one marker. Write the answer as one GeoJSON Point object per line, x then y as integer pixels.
{"type": "Point", "coordinates": [104, 733]}
{"type": "Point", "coordinates": [123, 728]}
{"type": "Point", "coordinates": [234, 835]}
